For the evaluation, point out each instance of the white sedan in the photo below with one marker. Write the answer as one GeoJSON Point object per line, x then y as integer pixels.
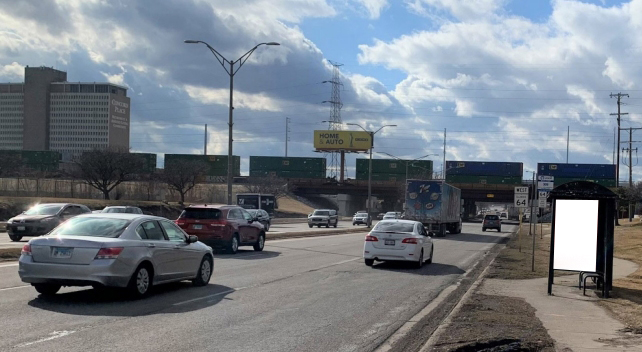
{"type": "Point", "coordinates": [403, 240]}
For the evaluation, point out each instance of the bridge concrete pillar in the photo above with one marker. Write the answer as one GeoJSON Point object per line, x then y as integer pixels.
{"type": "Point", "coordinates": [350, 204]}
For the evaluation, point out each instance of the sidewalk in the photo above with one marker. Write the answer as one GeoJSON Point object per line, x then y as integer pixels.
{"type": "Point", "coordinates": [575, 322]}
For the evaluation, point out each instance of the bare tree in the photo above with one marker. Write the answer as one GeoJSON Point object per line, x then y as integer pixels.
{"type": "Point", "coordinates": [182, 175]}
{"type": "Point", "coordinates": [104, 169]}
{"type": "Point", "coordinates": [273, 185]}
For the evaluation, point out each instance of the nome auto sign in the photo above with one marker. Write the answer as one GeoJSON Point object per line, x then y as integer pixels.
{"type": "Point", "coordinates": [342, 140]}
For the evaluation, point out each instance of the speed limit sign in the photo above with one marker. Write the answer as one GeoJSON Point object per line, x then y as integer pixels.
{"type": "Point", "coordinates": [521, 197]}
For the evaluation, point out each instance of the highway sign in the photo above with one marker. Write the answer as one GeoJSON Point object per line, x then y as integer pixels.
{"type": "Point", "coordinates": [541, 196]}
{"type": "Point", "coordinates": [545, 178]}
{"type": "Point", "coordinates": [545, 185]}
{"type": "Point", "coordinates": [521, 197]}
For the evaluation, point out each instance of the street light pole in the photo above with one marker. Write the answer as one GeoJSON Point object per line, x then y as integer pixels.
{"type": "Point", "coordinates": [231, 72]}
{"type": "Point", "coordinates": [369, 201]}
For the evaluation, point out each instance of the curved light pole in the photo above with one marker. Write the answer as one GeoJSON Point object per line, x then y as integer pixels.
{"type": "Point", "coordinates": [231, 71]}
{"type": "Point", "coordinates": [372, 134]}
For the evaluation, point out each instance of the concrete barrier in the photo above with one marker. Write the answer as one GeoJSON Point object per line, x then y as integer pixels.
{"type": "Point", "coordinates": [282, 235]}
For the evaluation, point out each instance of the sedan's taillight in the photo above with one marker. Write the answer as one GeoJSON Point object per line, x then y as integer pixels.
{"type": "Point", "coordinates": [371, 239]}
{"type": "Point", "coordinates": [409, 240]}
{"type": "Point", "coordinates": [26, 249]}
{"type": "Point", "coordinates": [109, 253]}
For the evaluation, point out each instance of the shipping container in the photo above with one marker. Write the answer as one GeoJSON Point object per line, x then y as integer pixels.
{"type": "Point", "coordinates": [275, 163]}
{"type": "Point", "coordinates": [603, 182]}
{"type": "Point", "coordinates": [382, 177]}
{"type": "Point", "coordinates": [35, 160]}
{"type": "Point", "coordinates": [217, 163]}
{"type": "Point", "coordinates": [288, 174]}
{"type": "Point", "coordinates": [149, 162]}
{"type": "Point", "coordinates": [484, 168]}
{"type": "Point", "coordinates": [395, 166]}
{"type": "Point", "coordinates": [489, 180]}
{"type": "Point", "coordinates": [580, 171]}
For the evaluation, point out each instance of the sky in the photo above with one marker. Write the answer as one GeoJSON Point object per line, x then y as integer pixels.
{"type": "Point", "coordinates": [504, 78]}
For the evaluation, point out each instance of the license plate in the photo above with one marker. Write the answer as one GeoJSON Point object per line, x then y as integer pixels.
{"type": "Point", "coordinates": [389, 242]}
{"type": "Point", "coordinates": [61, 252]}
{"type": "Point", "coordinates": [21, 228]}
{"type": "Point", "coordinates": [197, 227]}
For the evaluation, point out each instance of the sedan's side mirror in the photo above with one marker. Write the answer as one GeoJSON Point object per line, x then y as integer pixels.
{"type": "Point", "coordinates": [192, 239]}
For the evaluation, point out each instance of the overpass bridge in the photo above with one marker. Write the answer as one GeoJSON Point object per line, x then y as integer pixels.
{"type": "Point", "coordinates": [353, 193]}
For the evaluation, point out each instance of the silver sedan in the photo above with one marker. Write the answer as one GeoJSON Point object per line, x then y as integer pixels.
{"type": "Point", "coordinates": [132, 251]}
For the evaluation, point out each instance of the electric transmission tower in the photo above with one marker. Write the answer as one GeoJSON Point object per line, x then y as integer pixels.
{"type": "Point", "coordinates": [336, 158]}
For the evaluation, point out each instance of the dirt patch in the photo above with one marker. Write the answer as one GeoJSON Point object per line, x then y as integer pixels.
{"type": "Point", "coordinates": [515, 264]}
{"type": "Point", "coordinates": [626, 302]}
{"type": "Point", "coordinates": [495, 323]}
{"type": "Point", "coordinates": [9, 254]}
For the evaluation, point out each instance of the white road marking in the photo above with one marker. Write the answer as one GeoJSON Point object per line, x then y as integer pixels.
{"type": "Point", "coordinates": [8, 265]}
{"type": "Point", "coordinates": [204, 297]}
{"type": "Point", "coordinates": [261, 284]}
{"type": "Point", "coordinates": [14, 287]}
{"type": "Point", "coordinates": [54, 335]}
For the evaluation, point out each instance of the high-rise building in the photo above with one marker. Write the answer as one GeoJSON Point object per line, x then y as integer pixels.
{"type": "Point", "coordinates": [48, 113]}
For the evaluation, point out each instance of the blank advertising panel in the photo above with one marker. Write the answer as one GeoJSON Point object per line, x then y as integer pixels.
{"type": "Point", "coordinates": [575, 234]}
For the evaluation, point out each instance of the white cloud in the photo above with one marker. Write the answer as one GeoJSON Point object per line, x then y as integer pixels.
{"type": "Point", "coordinates": [256, 102]}
{"type": "Point", "coordinates": [461, 9]}
{"type": "Point", "coordinates": [373, 7]}
{"type": "Point", "coordinates": [13, 71]}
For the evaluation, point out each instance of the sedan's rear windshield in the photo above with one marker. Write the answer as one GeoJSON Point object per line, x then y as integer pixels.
{"type": "Point", "coordinates": [92, 227]}
{"type": "Point", "coordinates": [201, 214]}
{"type": "Point", "coordinates": [492, 217]}
{"type": "Point", "coordinates": [322, 213]}
{"type": "Point", "coordinates": [385, 226]}
{"type": "Point", "coordinates": [44, 210]}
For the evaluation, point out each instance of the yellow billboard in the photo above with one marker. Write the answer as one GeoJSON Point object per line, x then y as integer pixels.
{"type": "Point", "coordinates": [342, 140]}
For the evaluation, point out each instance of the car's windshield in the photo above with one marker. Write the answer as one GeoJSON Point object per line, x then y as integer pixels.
{"type": "Point", "coordinates": [394, 226]}
{"type": "Point", "coordinates": [201, 214]}
{"type": "Point", "coordinates": [115, 210]}
{"type": "Point", "coordinates": [91, 227]}
{"type": "Point", "coordinates": [44, 210]}
{"type": "Point", "coordinates": [321, 212]}
{"type": "Point", "coordinates": [253, 212]}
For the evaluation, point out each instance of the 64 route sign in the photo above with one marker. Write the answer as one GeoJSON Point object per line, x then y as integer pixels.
{"type": "Point", "coordinates": [521, 197]}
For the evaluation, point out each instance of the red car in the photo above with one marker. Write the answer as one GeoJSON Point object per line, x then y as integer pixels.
{"type": "Point", "coordinates": [222, 226]}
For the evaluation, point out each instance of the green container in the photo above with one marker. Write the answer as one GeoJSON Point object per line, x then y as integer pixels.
{"type": "Point", "coordinates": [35, 160]}
{"type": "Point", "coordinates": [394, 166]}
{"type": "Point", "coordinates": [288, 174]}
{"type": "Point", "coordinates": [217, 163]}
{"type": "Point", "coordinates": [603, 182]}
{"type": "Point", "coordinates": [489, 180]}
{"type": "Point", "coordinates": [275, 163]}
{"type": "Point", "coordinates": [149, 162]}
{"type": "Point", "coordinates": [381, 177]}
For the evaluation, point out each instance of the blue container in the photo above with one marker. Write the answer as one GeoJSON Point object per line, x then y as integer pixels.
{"type": "Point", "coordinates": [579, 171]}
{"type": "Point", "coordinates": [484, 168]}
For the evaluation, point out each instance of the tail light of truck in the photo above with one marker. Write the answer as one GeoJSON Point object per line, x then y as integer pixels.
{"type": "Point", "coordinates": [371, 239]}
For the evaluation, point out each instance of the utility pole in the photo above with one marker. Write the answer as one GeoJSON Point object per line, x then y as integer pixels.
{"type": "Point", "coordinates": [205, 143]}
{"type": "Point", "coordinates": [335, 120]}
{"type": "Point", "coordinates": [614, 147]}
{"type": "Point", "coordinates": [287, 136]}
{"type": "Point", "coordinates": [444, 168]}
{"type": "Point", "coordinates": [568, 137]}
{"type": "Point", "coordinates": [617, 167]}
{"type": "Point", "coordinates": [630, 165]}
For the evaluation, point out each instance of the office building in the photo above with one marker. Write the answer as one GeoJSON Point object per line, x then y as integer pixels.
{"type": "Point", "coordinates": [47, 112]}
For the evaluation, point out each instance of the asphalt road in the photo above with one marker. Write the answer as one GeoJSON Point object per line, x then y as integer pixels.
{"type": "Point", "coordinates": [306, 294]}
